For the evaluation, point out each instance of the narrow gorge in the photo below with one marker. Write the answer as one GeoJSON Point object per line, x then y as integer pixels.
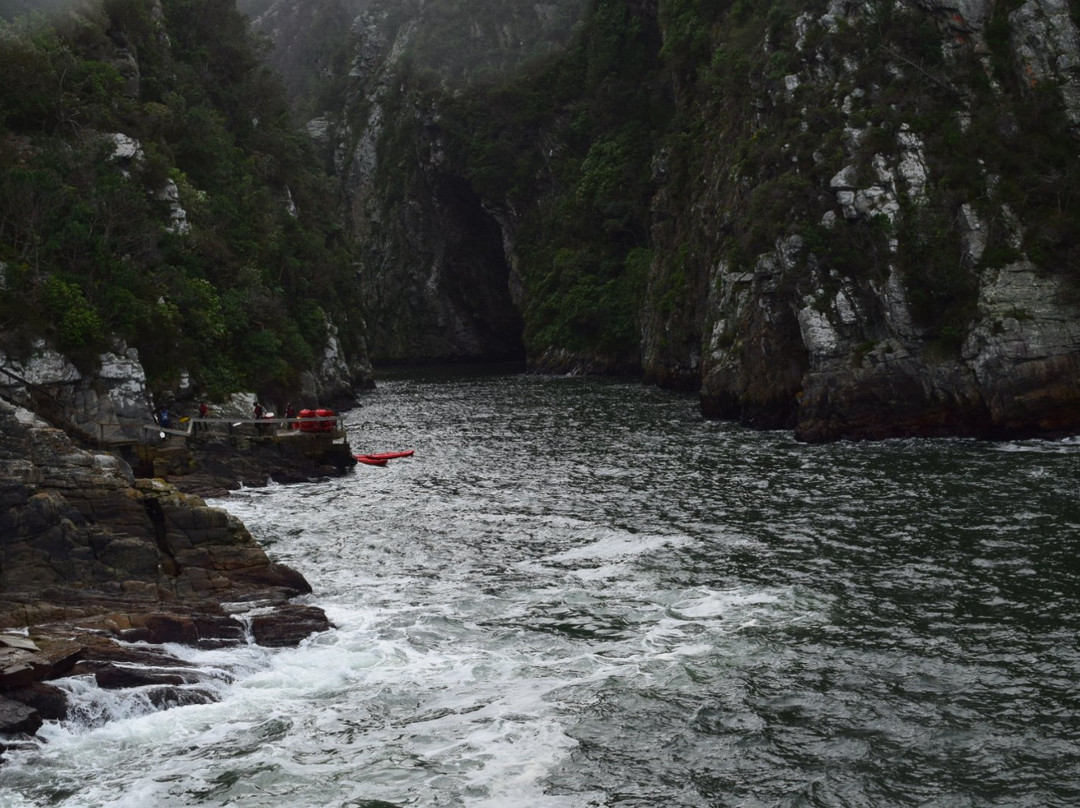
{"type": "Point", "coordinates": [853, 219]}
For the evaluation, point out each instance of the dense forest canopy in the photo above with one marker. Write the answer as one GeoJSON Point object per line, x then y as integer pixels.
{"type": "Point", "coordinates": [155, 192]}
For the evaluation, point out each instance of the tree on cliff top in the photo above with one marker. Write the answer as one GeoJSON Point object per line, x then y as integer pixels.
{"type": "Point", "coordinates": [90, 243]}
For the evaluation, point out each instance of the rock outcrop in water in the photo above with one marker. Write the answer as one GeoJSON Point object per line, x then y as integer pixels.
{"type": "Point", "coordinates": [89, 553]}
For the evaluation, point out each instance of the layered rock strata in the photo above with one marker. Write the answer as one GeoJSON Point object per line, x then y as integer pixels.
{"type": "Point", "coordinates": [89, 554]}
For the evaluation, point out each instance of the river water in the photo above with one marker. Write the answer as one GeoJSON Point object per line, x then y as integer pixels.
{"type": "Point", "coordinates": [579, 593]}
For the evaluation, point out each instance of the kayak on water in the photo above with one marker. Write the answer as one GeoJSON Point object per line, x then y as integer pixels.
{"type": "Point", "coordinates": [386, 455]}
{"type": "Point", "coordinates": [371, 461]}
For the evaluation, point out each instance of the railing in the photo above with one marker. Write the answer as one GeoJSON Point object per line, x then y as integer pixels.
{"type": "Point", "coordinates": [324, 425]}
{"type": "Point", "coordinates": [30, 386]}
{"type": "Point", "coordinates": [57, 412]}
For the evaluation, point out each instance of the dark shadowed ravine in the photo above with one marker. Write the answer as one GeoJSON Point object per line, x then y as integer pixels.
{"type": "Point", "coordinates": [579, 593]}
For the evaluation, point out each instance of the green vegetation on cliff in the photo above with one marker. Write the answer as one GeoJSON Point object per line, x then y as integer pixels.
{"type": "Point", "coordinates": [92, 246]}
{"type": "Point", "coordinates": [567, 145]}
{"type": "Point", "coordinates": [672, 138]}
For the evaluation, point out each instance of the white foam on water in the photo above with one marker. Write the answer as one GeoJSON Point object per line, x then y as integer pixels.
{"type": "Point", "coordinates": [603, 572]}
{"type": "Point", "coordinates": [616, 545]}
{"type": "Point", "coordinates": [488, 614]}
{"type": "Point", "coordinates": [1037, 446]}
{"type": "Point", "coordinates": [410, 701]}
{"type": "Point", "coordinates": [345, 706]}
{"type": "Point", "coordinates": [712, 603]}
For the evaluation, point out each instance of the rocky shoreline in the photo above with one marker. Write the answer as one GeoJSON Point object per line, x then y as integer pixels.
{"type": "Point", "coordinates": [212, 466]}
{"type": "Point", "coordinates": [93, 559]}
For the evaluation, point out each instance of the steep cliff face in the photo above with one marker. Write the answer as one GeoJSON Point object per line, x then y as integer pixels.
{"type": "Point", "coordinates": [437, 264]}
{"type": "Point", "coordinates": [913, 288]}
{"type": "Point", "coordinates": [435, 275]}
{"type": "Point", "coordinates": [853, 218]}
{"type": "Point", "coordinates": [112, 405]}
{"type": "Point", "coordinates": [439, 272]}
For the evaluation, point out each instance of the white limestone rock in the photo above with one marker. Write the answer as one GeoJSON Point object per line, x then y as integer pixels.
{"type": "Point", "coordinates": [975, 235]}
{"type": "Point", "coordinates": [912, 167]}
{"type": "Point", "coordinates": [126, 149]}
{"type": "Point", "coordinates": [1046, 46]}
{"type": "Point", "coordinates": [170, 194]}
{"type": "Point", "coordinates": [112, 404]}
{"type": "Point", "coordinates": [1021, 320]}
{"type": "Point", "coordinates": [894, 304]}
{"type": "Point", "coordinates": [818, 334]}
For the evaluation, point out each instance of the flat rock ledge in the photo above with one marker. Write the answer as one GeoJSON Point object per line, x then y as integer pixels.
{"type": "Point", "coordinates": [97, 568]}
{"type": "Point", "coordinates": [213, 466]}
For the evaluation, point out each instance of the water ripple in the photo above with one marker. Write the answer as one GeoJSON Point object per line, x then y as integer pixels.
{"type": "Point", "coordinates": [579, 593]}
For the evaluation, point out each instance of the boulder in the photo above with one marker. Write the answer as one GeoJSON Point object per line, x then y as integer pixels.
{"type": "Point", "coordinates": [50, 701]}
{"type": "Point", "coordinates": [165, 698]}
{"type": "Point", "coordinates": [288, 625]}
{"type": "Point", "coordinates": [113, 677]}
{"type": "Point", "coordinates": [16, 717]}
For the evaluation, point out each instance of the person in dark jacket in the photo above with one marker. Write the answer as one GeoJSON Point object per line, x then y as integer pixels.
{"type": "Point", "coordinates": [164, 419]}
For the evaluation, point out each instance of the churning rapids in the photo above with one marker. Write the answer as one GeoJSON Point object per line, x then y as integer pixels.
{"type": "Point", "coordinates": [579, 593]}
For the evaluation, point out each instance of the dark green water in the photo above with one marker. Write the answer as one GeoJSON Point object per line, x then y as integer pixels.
{"type": "Point", "coordinates": [579, 593]}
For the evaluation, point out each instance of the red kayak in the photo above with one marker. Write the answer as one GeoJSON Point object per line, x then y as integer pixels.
{"type": "Point", "coordinates": [371, 461]}
{"type": "Point", "coordinates": [385, 455]}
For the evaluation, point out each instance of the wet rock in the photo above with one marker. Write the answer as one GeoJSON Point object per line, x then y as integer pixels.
{"type": "Point", "coordinates": [211, 467]}
{"type": "Point", "coordinates": [161, 628]}
{"type": "Point", "coordinates": [165, 698]}
{"type": "Point", "coordinates": [49, 701]}
{"type": "Point", "coordinates": [16, 717]}
{"type": "Point", "coordinates": [114, 677]}
{"type": "Point", "coordinates": [101, 652]}
{"type": "Point", "coordinates": [31, 661]}
{"type": "Point", "coordinates": [83, 532]}
{"type": "Point", "coordinates": [276, 576]}
{"type": "Point", "coordinates": [92, 555]}
{"type": "Point", "coordinates": [216, 631]}
{"type": "Point", "coordinates": [15, 670]}
{"type": "Point", "coordinates": [288, 625]}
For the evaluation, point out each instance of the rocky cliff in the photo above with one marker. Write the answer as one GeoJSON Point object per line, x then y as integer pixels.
{"type": "Point", "coordinates": [79, 533]}
{"type": "Point", "coordinates": [914, 290]}
{"type": "Point", "coordinates": [164, 227]}
{"type": "Point", "coordinates": [853, 218]}
{"type": "Point", "coordinates": [438, 266]}
{"type": "Point", "coordinates": [112, 404]}
{"type": "Point", "coordinates": [88, 553]}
